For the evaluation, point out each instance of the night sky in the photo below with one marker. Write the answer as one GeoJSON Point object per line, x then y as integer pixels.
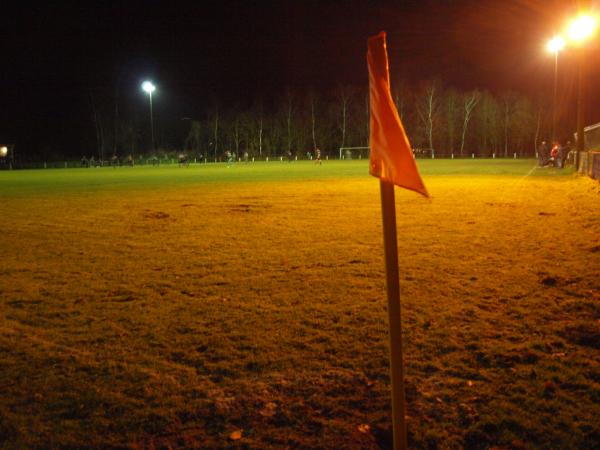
{"type": "Point", "coordinates": [54, 55]}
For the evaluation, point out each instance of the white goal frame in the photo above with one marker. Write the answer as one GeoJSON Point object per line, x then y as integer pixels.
{"type": "Point", "coordinates": [352, 148]}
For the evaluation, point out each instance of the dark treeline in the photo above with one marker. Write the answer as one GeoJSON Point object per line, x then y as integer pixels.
{"type": "Point", "coordinates": [441, 120]}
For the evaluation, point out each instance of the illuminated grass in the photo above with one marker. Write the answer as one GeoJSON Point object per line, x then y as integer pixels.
{"type": "Point", "coordinates": [171, 307]}
{"type": "Point", "coordinates": [33, 182]}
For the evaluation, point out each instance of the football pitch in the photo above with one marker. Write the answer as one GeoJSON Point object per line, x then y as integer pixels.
{"type": "Point", "coordinates": [244, 307]}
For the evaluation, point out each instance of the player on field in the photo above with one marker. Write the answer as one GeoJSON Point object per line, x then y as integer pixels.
{"type": "Point", "coordinates": [318, 156]}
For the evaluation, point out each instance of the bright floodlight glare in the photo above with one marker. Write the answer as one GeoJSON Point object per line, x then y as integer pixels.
{"type": "Point", "coordinates": [556, 44]}
{"type": "Point", "coordinates": [148, 87]}
{"type": "Point", "coordinates": [582, 28]}
{"type": "Point", "coordinates": [3, 151]}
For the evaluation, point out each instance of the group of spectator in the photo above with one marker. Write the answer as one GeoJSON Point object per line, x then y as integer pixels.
{"type": "Point", "coordinates": [554, 156]}
{"type": "Point", "coordinates": [113, 161]}
{"type": "Point", "coordinates": [231, 157]}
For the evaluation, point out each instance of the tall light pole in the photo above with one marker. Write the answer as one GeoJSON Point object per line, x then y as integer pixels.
{"type": "Point", "coordinates": [580, 30]}
{"type": "Point", "coordinates": [555, 45]}
{"type": "Point", "coordinates": [149, 88]}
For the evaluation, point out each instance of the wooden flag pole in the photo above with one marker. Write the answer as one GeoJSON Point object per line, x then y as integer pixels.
{"type": "Point", "coordinates": [388, 208]}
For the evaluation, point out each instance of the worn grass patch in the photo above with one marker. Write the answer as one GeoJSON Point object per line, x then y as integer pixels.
{"type": "Point", "coordinates": [245, 307]}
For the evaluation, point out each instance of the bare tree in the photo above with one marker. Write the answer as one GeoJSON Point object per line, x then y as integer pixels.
{"type": "Point", "coordinates": [252, 124]}
{"type": "Point", "coordinates": [488, 122]}
{"type": "Point", "coordinates": [216, 132]}
{"type": "Point", "coordinates": [213, 130]}
{"type": "Point", "coordinates": [344, 96]}
{"type": "Point", "coordinates": [289, 110]}
{"type": "Point", "coordinates": [260, 135]}
{"type": "Point", "coordinates": [538, 126]}
{"type": "Point", "coordinates": [273, 136]}
{"type": "Point", "coordinates": [523, 124]}
{"type": "Point", "coordinates": [260, 127]}
{"type": "Point", "coordinates": [428, 109]}
{"type": "Point", "coordinates": [508, 108]}
{"type": "Point", "coordinates": [543, 121]}
{"type": "Point", "coordinates": [470, 100]}
{"type": "Point", "coordinates": [128, 136]}
{"type": "Point", "coordinates": [116, 119]}
{"type": "Point", "coordinates": [313, 120]}
{"type": "Point", "coordinates": [400, 94]}
{"type": "Point", "coordinates": [451, 100]}
{"type": "Point", "coordinates": [194, 137]}
{"type": "Point", "coordinates": [367, 117]}
{"type": "Point", "coordinates": [236, 134]}
{"type": "Point", "coordinates": [98, 127]}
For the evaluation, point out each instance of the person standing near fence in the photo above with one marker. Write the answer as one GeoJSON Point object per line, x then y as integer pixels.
{"type": "Point", "coordinates": [568, 155]}
{"type": "Point", "coordinates": [542, 153]}
{"type": "Point", "coordinates": [560, 156]}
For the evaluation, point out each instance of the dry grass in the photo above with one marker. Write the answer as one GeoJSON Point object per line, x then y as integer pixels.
{"type": "Point", "coordinates": [175, 317]}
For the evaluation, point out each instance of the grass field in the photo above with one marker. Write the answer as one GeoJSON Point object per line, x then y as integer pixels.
{"type": "Point", "coordinates": [244, 307]}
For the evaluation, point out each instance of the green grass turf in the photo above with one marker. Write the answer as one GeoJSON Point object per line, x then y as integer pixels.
{"type": "Point", "coordinates": [32, 182]}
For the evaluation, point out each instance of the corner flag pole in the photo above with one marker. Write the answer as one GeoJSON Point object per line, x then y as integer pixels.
{"type": "Point", "coordinates": [393, 162]}
{"type": "Point", "coordinates": [388, 208]}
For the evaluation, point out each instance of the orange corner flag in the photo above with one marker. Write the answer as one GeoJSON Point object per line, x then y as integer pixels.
{"type": "Point", "coordinates": [392, 159]}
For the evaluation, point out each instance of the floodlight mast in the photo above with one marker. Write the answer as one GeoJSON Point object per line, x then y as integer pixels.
{"type": "Point", "coordinates": [149, 88]}
{"type": "Point", "coordinates": [555, 45]}
{"type": "Point", "coordinates": [580, 30]}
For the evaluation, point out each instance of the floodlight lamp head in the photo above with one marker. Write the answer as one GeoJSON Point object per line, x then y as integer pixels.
{"type": "Point", "coordinates": [556, 44]}
{"type": "Point", "coordinates": [3, 151]}
{"type": "Point", "coordinates": [582, 28]}
{"type": "Point", "coordinates": [148, 87]}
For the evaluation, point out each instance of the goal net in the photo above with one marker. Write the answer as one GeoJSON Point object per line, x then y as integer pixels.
{"type": "Point", "coordinates": [354, 152]}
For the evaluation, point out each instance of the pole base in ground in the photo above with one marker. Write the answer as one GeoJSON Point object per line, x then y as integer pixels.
{"type": "Point", "coordinates": [388, 208]}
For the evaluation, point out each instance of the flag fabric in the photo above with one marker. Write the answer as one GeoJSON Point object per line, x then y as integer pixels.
{"type": "Point", "coordinates": [392, 159]}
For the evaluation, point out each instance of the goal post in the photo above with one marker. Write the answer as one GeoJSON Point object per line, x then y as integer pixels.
{"type": "Point", "coordinates": [348, 150]}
